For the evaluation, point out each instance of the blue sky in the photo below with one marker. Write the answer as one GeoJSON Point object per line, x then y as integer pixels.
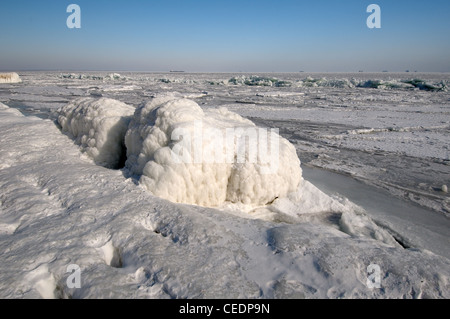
{"type": "Point", "coordinates": [225, 36]}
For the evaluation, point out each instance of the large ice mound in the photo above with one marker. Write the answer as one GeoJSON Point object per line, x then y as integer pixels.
{"type": "Point", "coordinates": [207, 157]}
{"type": "Point", "coordinates": [99, 127]}
{"type": "Point", "coordinates": [10, 78]}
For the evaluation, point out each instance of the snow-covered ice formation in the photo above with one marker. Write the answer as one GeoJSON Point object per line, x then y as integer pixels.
{"type": "Point", "coordinates": [10, 78]}
{"type": "Point", "coordinates": [206, 157]}
{"type": "Point", "coordinates": [99, 127]}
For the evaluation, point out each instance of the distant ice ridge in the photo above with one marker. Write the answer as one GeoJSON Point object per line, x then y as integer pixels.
{"type": "Point", "coordinates": [210, 143]}
{"type": "Point", "coordinates": [98, 126]}
{"type": "Point", "coordinates": [108, 77]}
{"type": "Point", "coordinates": [339, 83]}
{"type": "Point", "coordinates": [10, 78]}
{"type": "Point", "coordinates": [258, 81]}
{"type": "Point", "coordinates": [155, 133]}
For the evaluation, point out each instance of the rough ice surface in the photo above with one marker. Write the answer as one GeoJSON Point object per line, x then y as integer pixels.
{"type": "Point", "coordinates": [189, 155]}
{"type": "Point", "coordinates": [255, 80]}
{"type": "Point", "coordinates": [108, 77]}
{"type": "Point", "coordinates": [10, 78]}
{"type": "Point", "coordinates": [59, 208]}
{"type": "Point", "coordinates": [99, 127]}
{"type": "Point", "coordinates": [311, 82]}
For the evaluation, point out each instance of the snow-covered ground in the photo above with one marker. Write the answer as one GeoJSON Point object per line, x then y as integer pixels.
{"type": "Point", "coordinates": [60, 205]}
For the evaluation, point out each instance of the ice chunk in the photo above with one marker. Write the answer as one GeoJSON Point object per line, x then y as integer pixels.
{"type": "Point", "coordinates": [99, 126]}
{"type": "Point", "coordinates": [207, 157]}
{"type": "Point", "coordinates": [10, 78]}
{"type": "Point", "coordinates": [113, 76]}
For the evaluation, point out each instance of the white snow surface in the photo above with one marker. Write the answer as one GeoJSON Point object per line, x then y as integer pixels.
{"type": "Point", "coordinates": [201, 166]}
{"type": "Point", "coordinates": [10, 78]}
{"type": "Point", "coordinates": [390, 130]}
{"type": "Point", "coordinates": [98, 126]}
{"type": "Point", "coordinates": [57, 208]}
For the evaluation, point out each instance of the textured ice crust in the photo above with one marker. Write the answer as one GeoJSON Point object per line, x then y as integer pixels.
{"type": "Point", "coordinates": [159, 130]}
{"type": "Point", "coordinates": [98, 126]}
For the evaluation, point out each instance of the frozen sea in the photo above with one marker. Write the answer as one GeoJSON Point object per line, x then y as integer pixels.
{"type": "Point", "coordinates": [376, 144]}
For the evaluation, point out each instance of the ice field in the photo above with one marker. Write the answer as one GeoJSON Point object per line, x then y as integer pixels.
{"type": "Point", "coordinates": [363, 176]}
